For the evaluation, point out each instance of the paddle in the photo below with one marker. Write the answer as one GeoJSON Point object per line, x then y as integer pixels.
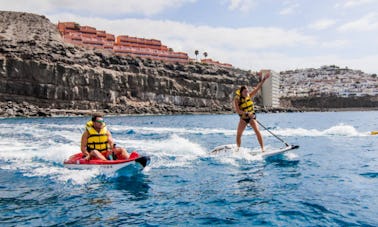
{"type": "Point", "coordinates": [287, 145]}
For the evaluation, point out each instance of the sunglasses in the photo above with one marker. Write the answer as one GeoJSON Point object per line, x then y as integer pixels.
{"type": "Point", "coordinates": [100, 121]}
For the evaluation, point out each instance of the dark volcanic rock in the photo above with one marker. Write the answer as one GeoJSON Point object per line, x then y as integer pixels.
{"type": "Point", "coordinates": [331, 102]}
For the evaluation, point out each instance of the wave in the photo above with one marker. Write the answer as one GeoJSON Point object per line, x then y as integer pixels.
{"type": "Point", "coordinates": [246, 155]}
{"type": "Point", "coordinates": [38, 160]}
{"type": "Point", "coordinates": [337, 130]}
{"type": "Point", "coordinates": [38, 150]}
{"type": "Point", "coordinates": [172, 152]}
{"type": "Point", "coordinates": [159, 130]}
{"type": "Point", "coordinates": [74, 131]}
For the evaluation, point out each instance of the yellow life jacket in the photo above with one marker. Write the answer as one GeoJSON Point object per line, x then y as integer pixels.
{"type": "Point", "coordinates": [97, 140]}
{"type": "Point", "coordinates": [245, 104]}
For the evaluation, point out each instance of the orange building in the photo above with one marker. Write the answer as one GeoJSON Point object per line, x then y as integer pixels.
{"type": "Point", "coordinates": [212, 62]}
{"type": "Point", "coordinates": [90, 37]}
{"type": "Point", "coordinates": [123, 45]}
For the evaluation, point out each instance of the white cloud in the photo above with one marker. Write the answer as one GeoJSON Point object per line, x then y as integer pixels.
{"type": "Point", "coordinates": [94, 7]}
{"type": "Point", "coordinates": [290, 8]}
{"type": "Point", "coordinates": [366, 23]}
{"type": "Point", "coordinates": [281, 61]}
{"type": "Point", "coordinates": [335, 43]}
{"type": "Point", "coordinates": [322, 24]}
{"type": "Point", "coordinates": [242, 5]}
{"type": "Point", "coordinates": [354, 3]}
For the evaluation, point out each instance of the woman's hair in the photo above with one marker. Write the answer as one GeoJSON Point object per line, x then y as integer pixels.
{"type": "Point", "coordinates": [242, 88]}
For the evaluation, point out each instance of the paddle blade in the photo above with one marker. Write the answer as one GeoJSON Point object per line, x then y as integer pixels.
{"type": "Point", "coordinates": [294, 146]}
{"type": "Point", "coordinates": [144, 160]}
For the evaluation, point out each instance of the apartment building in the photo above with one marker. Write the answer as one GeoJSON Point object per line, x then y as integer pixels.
{"type": "Point", "coordinates": [90, 37]}
{"type": "Point", "coordinates": [270, 89]}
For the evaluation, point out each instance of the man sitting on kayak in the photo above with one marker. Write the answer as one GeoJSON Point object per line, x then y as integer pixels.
{"type": "Point", "coordinates": [97, 141]}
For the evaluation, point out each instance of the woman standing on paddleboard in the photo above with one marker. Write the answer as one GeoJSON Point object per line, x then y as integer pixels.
{"type": "Point", "coordinates": [244, 106]}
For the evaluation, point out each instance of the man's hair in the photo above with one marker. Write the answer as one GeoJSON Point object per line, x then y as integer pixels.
{"type": "Point", "coordinates": [96, 115]}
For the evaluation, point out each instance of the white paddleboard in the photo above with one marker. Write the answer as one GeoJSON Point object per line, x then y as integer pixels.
{"type": "Point", "coordinates": [278, 151]}
{"type": "Point", "coordinates": [268, 153]}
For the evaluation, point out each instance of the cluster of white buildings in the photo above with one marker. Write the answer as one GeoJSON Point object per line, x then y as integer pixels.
{"type": "Point", "coordinates": [326, 81]}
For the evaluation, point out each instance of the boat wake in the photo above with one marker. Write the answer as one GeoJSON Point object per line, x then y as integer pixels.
{"type": "Point", "coordinates": [246, 155]}
{"type": "Point", "coordinates": [174, 151]}
{"type": "Point", "coordinates": [337, 130]}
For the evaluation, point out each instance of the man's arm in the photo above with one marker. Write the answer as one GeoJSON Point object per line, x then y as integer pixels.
{"type": "Point", "coordinates": [84, 141]}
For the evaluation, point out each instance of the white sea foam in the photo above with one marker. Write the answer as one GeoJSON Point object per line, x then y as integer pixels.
{"type": "Point", "coordinates": [73, 131]}
{"type": "Point", "coordinates": [179, 131]}
{"type": "Point", "coordinates": [337, 130]}
{"type": "Point", "coordinates": [172, 152]}
{"type": "Point", "coordinates": [244, 154]}
{"type": "Point", "coordinates": [291, 155]}
{"type": "Point", "coordinates": [234, 158]}
{"type": "Point", "coordinates": [39, 152]}
{"type": "Point", "coordinates": [41, 161]}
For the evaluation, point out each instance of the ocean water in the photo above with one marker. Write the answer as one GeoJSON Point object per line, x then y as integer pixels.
{"type": "Point", "coordinates": [331, 180]}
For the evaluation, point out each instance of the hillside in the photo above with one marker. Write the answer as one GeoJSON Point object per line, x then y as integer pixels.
{"type": "Point", "coordinates": [328, 87]}
{"type": "Point", "coordinates": [328, 80]}
{"type": "Point", "coordinates": [42, 75]}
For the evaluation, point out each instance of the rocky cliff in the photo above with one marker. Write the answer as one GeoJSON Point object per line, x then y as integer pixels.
{"type": "Point", "coordinates": [325, 103]}
{"type": "Point", "coordinates": [42, 75]}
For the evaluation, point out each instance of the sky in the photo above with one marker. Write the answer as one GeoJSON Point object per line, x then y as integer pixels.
{"type": "Point", "coordinates": [249, 34]}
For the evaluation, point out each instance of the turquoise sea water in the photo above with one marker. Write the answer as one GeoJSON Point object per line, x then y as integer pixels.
{"type": "Point", "coordinates": [332, 180]}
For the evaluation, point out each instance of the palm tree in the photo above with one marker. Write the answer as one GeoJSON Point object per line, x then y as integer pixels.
{"type": "Point", "coordinates": [205, 54]}
{"type": "Point", "coordinates": [196, 52]}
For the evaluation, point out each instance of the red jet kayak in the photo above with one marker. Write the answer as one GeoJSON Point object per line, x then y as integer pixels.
{"type": "Point", "coordinates": [77, 161]}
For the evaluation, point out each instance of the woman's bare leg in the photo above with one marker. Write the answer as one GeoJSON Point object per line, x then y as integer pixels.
{"type": "Point", "coordinates": [240, 130]}
{"type": "Point", "coordinates": [255, 127]}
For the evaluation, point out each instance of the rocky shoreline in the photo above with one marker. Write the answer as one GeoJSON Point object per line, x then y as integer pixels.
{"type": "Point", "coordinates": [26, 110]}
{"type": "Point", "coordinates": [23, 110]}
{"type": "Point", "coordinates": [11, 109]}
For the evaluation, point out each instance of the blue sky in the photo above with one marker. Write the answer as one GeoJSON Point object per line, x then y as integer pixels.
{"type": "Point", "coordinates": [250, 34]}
